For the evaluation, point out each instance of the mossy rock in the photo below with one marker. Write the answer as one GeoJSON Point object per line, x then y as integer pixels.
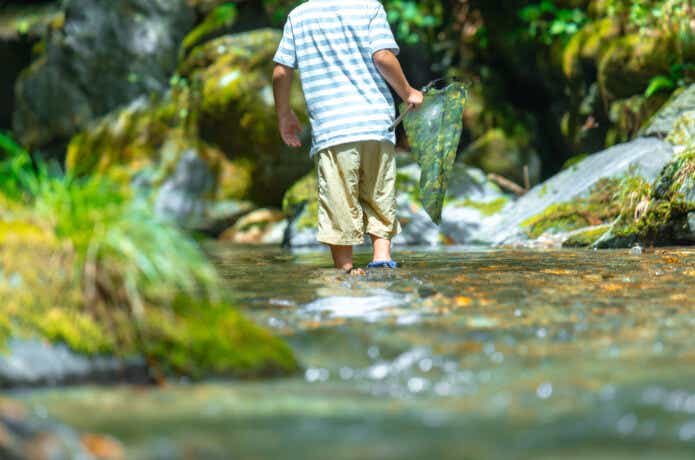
{"type": "Point", "coordinates": [585, 238]}
{"type": "Point", "coordinates": [237, 111]}
{"type": "Point", "coordinates": [187, 336]}
{"type": "Point", "coordinates": [104, 55]}
{"type": "Point", "coordinates": [218, 22]}
{"type": "Point", "coordinates": [629, 115]}
{"type": "Point", "coordinates": [496, 152]}
{"type": "Point", "coordinates": [683, 132]}
{"type": "Point", "coordinates": [663, 123]}
{"type": "Point", "coordinates": [628, 65]}
{"type": "Point", "coordinates": [262, 226]}
{"type": "Point", "coordinates": [300, 203]}
{"type": "Point", "coordinates": [586, 47]}
{"type": "Point", "coordinates": [152, 144]}
{"type": "Point", "coordinates": [598, 208]}
{"type": "Point", "coordinates": [666, 218]}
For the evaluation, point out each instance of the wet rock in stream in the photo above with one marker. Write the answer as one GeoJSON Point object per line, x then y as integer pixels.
{"type": "Point", "coordinates": [31, 436]}
{"type": "Point", "coordinates": [32, 363]}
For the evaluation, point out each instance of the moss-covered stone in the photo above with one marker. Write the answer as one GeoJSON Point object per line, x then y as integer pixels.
{"type": "Point", "coordinates": [630, 62]}
{"type": "Point", "coordinates": [599, 207]}
{"type": "Point", "coordinates": [152, 143]}
{"type": "Point", "coordinates": [585, 48]}
{"type": "Point", "coordinates": [627, 116]}
{"type": "Point", "coordinates": [218, 22]}
{"type": "Point", "coordinates": [186, 336]}
{"type": "Point", "coordinates": [262, 226]}
{"type": "Point", "coordinates": [683, 132]}
{"type": "Point", "coordinates": [301, 204]}
{"type": "Point", "coordinates": [496, 152]}
{"type": "Point", "coordinates": [663, 217]}
{"type": "Point", "coordinates": [585, 238]}
{"type": "Point", "coordinates": [98, 60]}
{"type": "Point", "coordinates": [681, 101]}
{"type": "Point", "coordinates": [237, 111]}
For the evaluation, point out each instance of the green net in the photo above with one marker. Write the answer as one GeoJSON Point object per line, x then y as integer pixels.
{"type": "Point", "coordinates": [434, 132]}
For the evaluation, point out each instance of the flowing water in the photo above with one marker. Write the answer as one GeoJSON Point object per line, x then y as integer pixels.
{"type": "Point", "coordinates": [461, 354]}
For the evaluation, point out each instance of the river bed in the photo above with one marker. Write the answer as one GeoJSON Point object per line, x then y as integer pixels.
{"type": "Point", "coordinates": [463, 353]}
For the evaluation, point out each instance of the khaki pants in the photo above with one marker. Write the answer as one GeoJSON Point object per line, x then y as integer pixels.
{"type": "Point", "coordinates": [357, 192]}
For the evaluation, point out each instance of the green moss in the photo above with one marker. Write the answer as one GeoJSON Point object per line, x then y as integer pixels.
{"type": "Point", "coordinates": [629, 64]}
{"type": "Point", "coordinates": [598, 208]}
{"type": "Point", "coordinates": [587, 46]}
{"type": "Point", "coordinates": [575, 160]}
{"type": "Point", "coordinates": [232, 80]}
{"type": "Point", "coordinates": [683, 132]}
{"type": "Point", "coordinates": [668, 202]}
{"type": "Point", "coordinates": [489, 208]}
{"type": "Point", "coordinates": [115, 279]}
{"type": "Point", "coordinates": [222, 18]}
{"type": "Point", "coordinates": [629, 115]}
{"type": "Point", "coordinates": [585, 238]}
{"type": "Point", "coordinates": [303, 191]}
{"type": "Point", "coordinates": [301, 202]}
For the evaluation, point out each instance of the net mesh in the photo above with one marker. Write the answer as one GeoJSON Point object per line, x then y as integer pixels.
{"type": "Point", "coordinates": [434, 132]}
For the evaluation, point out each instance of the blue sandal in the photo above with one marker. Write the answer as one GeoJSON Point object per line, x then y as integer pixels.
{"type": "Point", "coordinates": [384, 264]}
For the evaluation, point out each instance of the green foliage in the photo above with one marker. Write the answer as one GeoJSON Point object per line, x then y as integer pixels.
{"type": "Point", "coordinates": [222, 17]}
{"type": "Point", "coordinates": [668, 18]}
{"type": "Point", "coordinates": [547, 21]}
{"type": "Point", "coordinates": [119, 279]}
{"type": "Point", "coordinates": [16, 171]}
{"type": "Point", "coordinates": [681, 75]}
{"type": "Point", "coordinates": [414, 21]}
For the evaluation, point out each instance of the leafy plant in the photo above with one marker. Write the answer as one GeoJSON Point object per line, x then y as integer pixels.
{"type": "Point", "coordinates": [128, 282]}
{"type": "Point", "coordinates": [547, 21]}
{"type": "Point", "coordinates": [415, 21]}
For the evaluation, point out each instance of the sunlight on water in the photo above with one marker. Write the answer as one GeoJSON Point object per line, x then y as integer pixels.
{"type": "Point", "coordinates": [459, 354]}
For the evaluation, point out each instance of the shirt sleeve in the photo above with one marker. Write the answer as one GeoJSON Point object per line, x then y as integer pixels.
{"type": "Point", "coordinates": [380, 34]}
{"type": "Point", "coordinates": [287, 52]}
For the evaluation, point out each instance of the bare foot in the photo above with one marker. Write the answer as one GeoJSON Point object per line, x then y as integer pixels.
{"type": "Point", "coordinates": [354, 271]}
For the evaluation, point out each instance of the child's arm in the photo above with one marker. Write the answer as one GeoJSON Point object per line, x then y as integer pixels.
{"type": "Point", "coordinates": [389, 67]}
{"type": "Point", "coordinates": [290, 127]}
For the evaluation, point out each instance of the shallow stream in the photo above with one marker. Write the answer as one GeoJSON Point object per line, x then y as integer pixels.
{"type": "Point", "coordinates": [461, 354]}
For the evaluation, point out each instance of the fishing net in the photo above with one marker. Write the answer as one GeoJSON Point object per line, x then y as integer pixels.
{"type": "Point", "coordinates": [434, 132]}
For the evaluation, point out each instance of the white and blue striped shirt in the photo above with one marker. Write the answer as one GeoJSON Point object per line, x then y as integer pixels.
{"type": "Point", "coordinates": [331, 42]}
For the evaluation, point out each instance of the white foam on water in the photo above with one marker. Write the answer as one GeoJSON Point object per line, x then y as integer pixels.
{"type": "Point", "coordinates": [369, 308]}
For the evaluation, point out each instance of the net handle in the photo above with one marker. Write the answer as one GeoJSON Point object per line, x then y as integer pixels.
{"type": "Point", "coordinates": [410, 107]}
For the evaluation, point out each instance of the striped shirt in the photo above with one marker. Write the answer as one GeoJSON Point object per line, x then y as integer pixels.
{"type": "Point", "coordinates": [331, 42]}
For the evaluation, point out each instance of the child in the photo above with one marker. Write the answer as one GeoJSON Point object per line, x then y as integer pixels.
{"type": "Point", "coordinates": [345, 53]}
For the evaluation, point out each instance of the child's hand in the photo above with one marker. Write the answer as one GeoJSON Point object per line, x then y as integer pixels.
{"type": "Point", "coordinates": [290, 128]}
{"type": "Point", "coordinates": [415, 99]}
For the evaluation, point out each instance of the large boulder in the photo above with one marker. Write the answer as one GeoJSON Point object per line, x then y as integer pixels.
{"type": "Point", "coordinates": [237, 111]}
{"type": "Point", "coordinates": [666, 215]}
{"type": "Point", "coordinates": [628, 65]}
{"type": "Point", "coordinates": [152, 144]}
{"type": "Point", "coordinates": [643, 157]}
{"type": "Point", "coordinates": [105, 54]}
{"type": "Point", "coordinates": [206, 146]}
